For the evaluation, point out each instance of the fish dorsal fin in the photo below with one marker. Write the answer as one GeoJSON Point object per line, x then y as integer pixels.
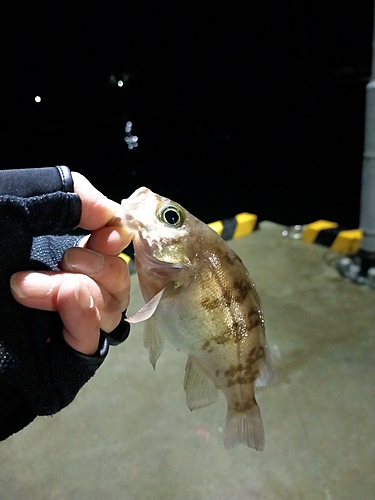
{"type": "Point", "coordinates": [200, 390]}
{"type": "Point", "coordinates": [265, 368]}
{"type": "Point", "coordinates": [153, 341]}
{"type": "Point", "coordinates": [147, 310]}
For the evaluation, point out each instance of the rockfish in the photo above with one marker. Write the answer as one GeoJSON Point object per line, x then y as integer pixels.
{"type": "Point", "coordinates": [199, 296]}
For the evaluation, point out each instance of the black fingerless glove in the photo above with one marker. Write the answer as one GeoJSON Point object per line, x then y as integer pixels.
{"type": "Point", "coordinates": [39, 373]}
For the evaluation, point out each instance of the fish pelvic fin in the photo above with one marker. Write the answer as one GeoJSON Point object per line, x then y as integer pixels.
{"type": "Point", "coordinates": [153, 341]}
{"type": "Point", "coordinates": [200, 390]}
{"type": "Point", "coordinates": [244, 427]}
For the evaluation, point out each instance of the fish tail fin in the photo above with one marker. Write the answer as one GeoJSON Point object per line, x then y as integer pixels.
{"type": "Point", "coordinates": [244, 427]}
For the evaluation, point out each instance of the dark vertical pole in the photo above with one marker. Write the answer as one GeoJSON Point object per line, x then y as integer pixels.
{"type": "Point", "coordinates": [367, 213]}
{"type": "Point", "coordinates": [361, 267]}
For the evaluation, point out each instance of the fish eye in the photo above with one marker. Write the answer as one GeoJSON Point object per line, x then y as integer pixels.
{"type": "Point", "coordinates": [172, 216]}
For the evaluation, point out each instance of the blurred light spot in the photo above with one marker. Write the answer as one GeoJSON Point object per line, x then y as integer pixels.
{"type": "Point", "coordinates": [120, 83]}
{"type": "Point", "coordinates": [203, 433]}
{"type": "Point", "coordinates": [38, 98]}
{"type": "Point", "coordinates": [295, 232]}
{"type": "Point", "coordinates": [131, 140]}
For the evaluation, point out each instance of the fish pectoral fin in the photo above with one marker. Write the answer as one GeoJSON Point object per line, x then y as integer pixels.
{"type": "Point", "coordinates": [244, 427]}
{"type": "Point", "coordinates": [153, 341]}
{"type": "Point", "coordinates": [200, 390]}
{"type": "Point", "coordinates": [147, 310]}
{"type": "Point", "coordinates": [265, 368]}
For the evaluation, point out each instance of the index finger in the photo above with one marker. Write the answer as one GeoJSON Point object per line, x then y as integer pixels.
{"type": "Point", "coordinates": [110, 240]}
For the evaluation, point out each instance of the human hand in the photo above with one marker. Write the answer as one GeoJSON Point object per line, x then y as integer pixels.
{"type": "Point", "coordinates": [93, 289]}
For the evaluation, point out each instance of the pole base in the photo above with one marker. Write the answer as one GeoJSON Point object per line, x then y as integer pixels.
{"type": "Point", "coordinates": [360, 268]}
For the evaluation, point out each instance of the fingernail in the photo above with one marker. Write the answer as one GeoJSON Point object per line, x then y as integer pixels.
{"type": "Point", "coordinates": [32, 285]}
{"type": "Point", "coordinates": [83, 261]}
{"type": "Point", "coordinates": [83, 297]}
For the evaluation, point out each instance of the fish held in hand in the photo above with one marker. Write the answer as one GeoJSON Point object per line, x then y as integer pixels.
{"type": "Point", "coordinates": [199, 295]}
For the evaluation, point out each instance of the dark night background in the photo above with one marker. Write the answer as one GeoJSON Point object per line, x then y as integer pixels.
{"type": "Point", "coordinates": [248, 106]}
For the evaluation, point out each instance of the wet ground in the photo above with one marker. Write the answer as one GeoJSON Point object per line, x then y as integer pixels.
{"type": "Point", "coordinates": [129, 434]}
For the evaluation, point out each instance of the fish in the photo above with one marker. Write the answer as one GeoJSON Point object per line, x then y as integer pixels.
{"type": "Point", "coordinates": [200, 297]}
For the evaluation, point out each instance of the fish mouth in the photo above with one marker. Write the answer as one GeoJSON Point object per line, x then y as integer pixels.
{"type": "Point", "coordinates": [140, 191]}
{"type": "Point", "coordinates": [130, 205]}
{"type": "Point", "coordinates": [137, 198]}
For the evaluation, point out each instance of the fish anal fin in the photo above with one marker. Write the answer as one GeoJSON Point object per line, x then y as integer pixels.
{"type": "Point", "coordinates": [244, 427]}
{"type": "Point", "coordinates": [153, 341]}
{"type": "Point", "coordinates": [200, 390]}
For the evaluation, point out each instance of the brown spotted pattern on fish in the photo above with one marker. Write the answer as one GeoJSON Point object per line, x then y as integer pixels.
{"type": "Point", "coordinates": [199, 295]}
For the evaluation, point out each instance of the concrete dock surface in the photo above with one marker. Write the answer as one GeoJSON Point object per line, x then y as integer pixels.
{"type": "Point", "coordinates": [129, 435]}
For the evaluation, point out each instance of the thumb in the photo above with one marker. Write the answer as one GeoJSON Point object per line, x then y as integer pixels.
{"type": "Point", "coordinates": [97, 209]}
